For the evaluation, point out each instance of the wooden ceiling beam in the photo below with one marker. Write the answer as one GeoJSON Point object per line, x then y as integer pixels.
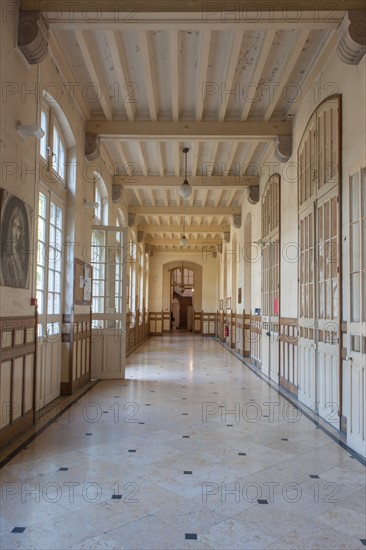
{"type": "Point", "coordinates": [189, 228]}
{"type": "Point", "coordinates": [224, 182]}
{"type": "Point", "coordinates": [193, 242]}
{"type": "Point", "coordinates": [158, 210]}
{"type": "Point", "coordinates": [202, 7]}
{"type": "Point", "coordinates": [194, 130]}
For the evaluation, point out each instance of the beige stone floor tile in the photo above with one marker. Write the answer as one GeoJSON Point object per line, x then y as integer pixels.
{"type": "Point", "coordinates": [316, 537]}
{"type": "Point", "coordinates": [218, 502]}
{"type": "Point", "coordinates": [241, 536]}
{"type": "Point", "coordinates": [345, 520]}
{"type": "Point", "coordinates": [147, 533]}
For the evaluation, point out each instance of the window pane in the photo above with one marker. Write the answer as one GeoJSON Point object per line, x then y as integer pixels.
{"type": "Point", "coordinates": [42, 205]}
{"type": "Point", "coordinates": [61, 161]}
{"type": "Point", "coordinates": [57, 282]}
{"type": "Point", "coordinates": [39, 295]}
{"type": "Point", "coordinates": [354, 198]}
{"type": "Point", "coordinates": [363, 192]}
{"type": "Point", "coordinates": [55, 149]}
{"type": "Point", "coordinates": [52, 234]}
{"type": "Point", "coordinates": [58, 239]}
{"type": "Point", "coordinates": [43, 141]}
{"type": "Point", "coordinates": [58, 260]}
{"type": "Point", "coordinates": [364, 296]}
{"type": "Point", "coordinates": [355, 297]}
{"type": "Point", "coordinates": [40, 254]}
{"type": "Point", "coordinates": [40, 277]}
{"type": "Point", "coordinates": [355, 247]}
{"type": "Point", "coordinates": [53, 213]}
{"type": "Point", "coordinates": [59, 218]}
{"type": "Point", "coordinates": [51, 280]}
{"type": "Point", "coordinates": [363, 238]}
{"type": "Point", "coordinates": [50, 303]}
{"type": "Point", "coordinates": [57, 304]}
{"type": "Point", "coordinates": [41, 230]}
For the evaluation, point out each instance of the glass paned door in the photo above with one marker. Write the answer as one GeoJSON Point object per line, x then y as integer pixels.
{"type": "Point", "coordinates": [356, 328]}
{"type": "Point", "coordinates": [109, 258]}
{"type": "Point", "coordinates": [49, 290]}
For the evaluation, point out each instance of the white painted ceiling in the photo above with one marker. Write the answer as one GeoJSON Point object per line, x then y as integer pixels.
{"type": "Point", "coordinates": [163, 67]}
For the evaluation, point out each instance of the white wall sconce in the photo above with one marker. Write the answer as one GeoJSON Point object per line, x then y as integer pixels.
{"type": "Point", "coordinates": [30, 130]}
{"type": "Point", "coordinates": [91, 204]}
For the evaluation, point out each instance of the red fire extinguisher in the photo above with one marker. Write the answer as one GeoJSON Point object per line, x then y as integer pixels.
{"type": "Point", "coordinates": [226, 331]}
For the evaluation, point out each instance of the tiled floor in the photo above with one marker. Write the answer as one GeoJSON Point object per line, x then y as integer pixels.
{"type": "Point", "coordinates": [193, 450]}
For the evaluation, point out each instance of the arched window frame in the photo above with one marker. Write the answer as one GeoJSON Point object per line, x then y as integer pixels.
{"type": "Point", "coordinates": [52, 147]}
{"type": "Point", "coordinates": [146, 276]}
{"type": "Point", "coordinates": [101, 198]}
{"type": "Point", "coordinates": [133, 274]}
{"type": "Point", "coordinates": [141, 277]}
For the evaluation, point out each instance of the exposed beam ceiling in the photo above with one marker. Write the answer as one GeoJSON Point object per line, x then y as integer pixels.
{"type": "Point", "coordinates": [189, 73]}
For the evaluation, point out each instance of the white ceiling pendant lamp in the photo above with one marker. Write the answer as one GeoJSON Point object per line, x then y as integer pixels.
{"type": "Point", "coordinates": [185, 189]}
{"type": "Point", "coordinates": [183, 238]}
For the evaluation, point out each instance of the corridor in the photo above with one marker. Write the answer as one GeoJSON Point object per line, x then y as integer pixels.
{"type": "Point", "coordinates": [192, 450]}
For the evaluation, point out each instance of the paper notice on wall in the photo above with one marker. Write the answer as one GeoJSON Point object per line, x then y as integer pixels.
{"type": "Point", "coordinates": [87, 284]}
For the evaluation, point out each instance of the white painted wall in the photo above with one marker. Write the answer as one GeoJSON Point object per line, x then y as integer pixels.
{"type": "Point", "coordinates": [209, 277]}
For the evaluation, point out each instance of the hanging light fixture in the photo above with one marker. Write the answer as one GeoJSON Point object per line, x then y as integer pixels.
{"type": "Point", "coordinates": [183, 238]}
{"type": "Point", "coordinates": [185, 189]}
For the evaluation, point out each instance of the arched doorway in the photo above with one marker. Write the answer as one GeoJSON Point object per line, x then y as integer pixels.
{"type": "Point", "coordinates": [182, 293]}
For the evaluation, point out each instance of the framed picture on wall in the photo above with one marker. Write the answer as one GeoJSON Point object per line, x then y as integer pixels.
{"type": "Point", "coordinates": [15, 241]}
{"type": "Point", "coordinates": [228, 303]}
{"type": "Point", "coordinates": [239, 295]}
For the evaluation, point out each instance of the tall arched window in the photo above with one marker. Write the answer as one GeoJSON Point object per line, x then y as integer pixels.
{"type": "Point", "coordinates": [98, 246]}
{"type": "Point", "coordinates": [146, 275]}
{"type": "Point", "coordinates": [319, 265]}
{"type": "Point", "coordinates": [133, 272]}
{"type": "Point", "coordinates": [50, 291]}
{"type": "Point", "coordinates": [52, 146]}
{"type": "Point", "coordinates": [270, 243]}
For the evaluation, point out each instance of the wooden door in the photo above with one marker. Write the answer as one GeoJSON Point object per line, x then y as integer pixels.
{"type": "Point", "coordinates": [110, 255]}
{"type": "Point", "coordinates": [355, 375]}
